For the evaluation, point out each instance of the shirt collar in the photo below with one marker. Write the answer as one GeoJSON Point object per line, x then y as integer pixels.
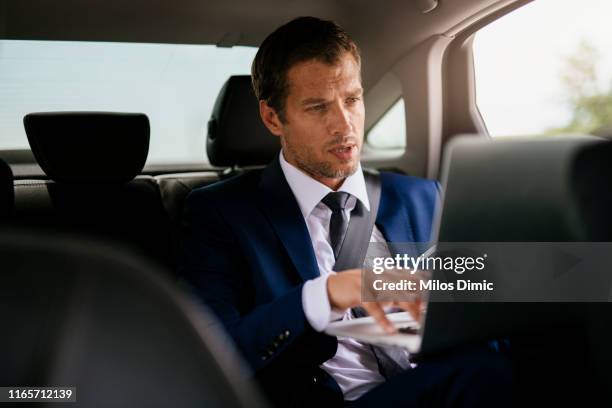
{"type": "Point", "coordinates": [309, 192]}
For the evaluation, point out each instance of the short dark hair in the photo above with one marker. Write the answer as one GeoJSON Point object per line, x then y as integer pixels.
{"type": "Point", "coordinates": [299, 40]}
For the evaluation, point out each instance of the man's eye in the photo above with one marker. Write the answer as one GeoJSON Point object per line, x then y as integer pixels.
{"type": "Point", "coordinates": [318, 108]}
{"type": "Point", "coordinates": [353, 100]}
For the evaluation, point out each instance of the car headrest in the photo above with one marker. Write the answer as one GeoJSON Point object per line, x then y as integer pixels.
{"type": "Point", "coordinates": [7, 192]}
{"type": "Point", "coordinates": [553, 189]}
{"type": "Point", "coordinates": [236, 135]}
{"type": "Point", "coordinates": [89, 146]}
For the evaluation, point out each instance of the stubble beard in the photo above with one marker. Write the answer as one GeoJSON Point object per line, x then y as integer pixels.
{"type": "Point", "coordinates": [305, 161]}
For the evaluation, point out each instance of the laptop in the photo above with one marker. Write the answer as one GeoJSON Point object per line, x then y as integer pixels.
{"type": "Point", "coordinates": [409, 332]}
{"type": "Point", "coordinates": [484, 174]}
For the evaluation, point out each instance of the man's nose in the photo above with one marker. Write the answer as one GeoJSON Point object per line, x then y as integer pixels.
{"type": "Point", "coordinates": [339, 121]}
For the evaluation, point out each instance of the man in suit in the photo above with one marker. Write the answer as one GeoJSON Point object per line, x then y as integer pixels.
{"type": "Point", "coordinates": [260, 248]}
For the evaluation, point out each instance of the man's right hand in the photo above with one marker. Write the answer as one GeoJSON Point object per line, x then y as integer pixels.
{"type": "Point", "coordinates": [344, 292]}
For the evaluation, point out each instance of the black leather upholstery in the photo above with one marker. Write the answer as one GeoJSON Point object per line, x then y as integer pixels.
{"type": "Point", "coordinates": [85, 315]}
{"type": "Point", "coordinates": [89, 146]}
{"type": "Point", "coordinates": [236, 138]}
{"type": "Point", "coordinates": [131, 213]}
{"type": "Point", "coordinates": [7, 198]}
{"type": "Point", "coordinates": [174, 188]}
{"type": "Point", "coordinates": [98, 198]}
{"type": "Point", "coordinates": [236, 134]}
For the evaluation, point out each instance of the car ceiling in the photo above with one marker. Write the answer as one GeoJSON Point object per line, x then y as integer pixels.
{"type": "Point", "coordinates": [385, 30]}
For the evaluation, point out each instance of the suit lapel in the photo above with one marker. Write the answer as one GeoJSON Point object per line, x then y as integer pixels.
{"type": "Point", "coordinates": [280, 207]}
{"type": "Point", "coordinates": [392, 219]}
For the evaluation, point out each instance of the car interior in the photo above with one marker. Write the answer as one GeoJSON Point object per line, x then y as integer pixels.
{"type": "Point", "coordinates": [85, 211]}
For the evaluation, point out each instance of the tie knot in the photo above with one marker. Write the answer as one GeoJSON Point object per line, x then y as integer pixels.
{"type": "Point", "coordinates": [336, 201]}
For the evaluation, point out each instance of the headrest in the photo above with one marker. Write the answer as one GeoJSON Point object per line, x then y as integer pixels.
{"type": "Point", "coordinates": [7, 192]}
{"type": "Point", "coordinates": [89, 146]}
{"type": "Point", "coordinates": [236, 134]}
{"type": "Point", "coordinates": [553, 189]}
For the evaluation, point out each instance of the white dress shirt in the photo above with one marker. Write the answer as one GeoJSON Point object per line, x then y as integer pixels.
{"type": "Point", "coordinates": [354, 366]}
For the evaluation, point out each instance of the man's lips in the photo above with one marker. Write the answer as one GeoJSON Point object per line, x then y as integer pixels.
{"type": "Point", "coordinates": [343, 152]}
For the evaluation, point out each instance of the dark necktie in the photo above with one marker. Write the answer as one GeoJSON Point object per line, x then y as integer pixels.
{"type": "Point", "coordinates": [391, 360]}
{"type": "Point", "coordinates": [338, 224]}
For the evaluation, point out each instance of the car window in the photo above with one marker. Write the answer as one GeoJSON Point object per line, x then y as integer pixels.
{"type": "Point", "coordinates": [546, 68]}
{"type": "Point", "coordinates": [175, 85]}
{"type": "Point", "coordinates": [390, 130]}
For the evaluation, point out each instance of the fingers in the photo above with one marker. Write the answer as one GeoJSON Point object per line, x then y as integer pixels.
{"type": "Point", "coordinates": [415, 308]}
{"type": "Point", "coordinates": [375, 310]}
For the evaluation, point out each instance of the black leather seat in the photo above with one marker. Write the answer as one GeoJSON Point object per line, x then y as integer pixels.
{"type": "Point", "coordinates": [92, 161]}
{"type": "Point", "coordinates": [174, 188]}
{"type": "Point", "coordinates": [85, 315]}
{"type": "Point", "coordinates": [7, 195]}
{"type": "Point", "coordinates": [237, 140]}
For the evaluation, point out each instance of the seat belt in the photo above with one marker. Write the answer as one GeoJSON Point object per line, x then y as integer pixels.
{"type": "Point", "coordinates": [391, 360]}
{"type": "Point", "coordinates": [357, 238]}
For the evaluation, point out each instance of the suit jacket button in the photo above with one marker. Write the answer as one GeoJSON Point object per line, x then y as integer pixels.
{"type": "Point", "coordinates": [287, 333]}
{"type": "Point", "coordinates": [314, 380]}
{"type": "Point", "coordinates": [275, 344]}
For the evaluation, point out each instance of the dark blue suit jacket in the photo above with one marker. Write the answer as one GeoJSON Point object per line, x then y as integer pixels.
{"type": "Point", "coordinates": [247, 253]}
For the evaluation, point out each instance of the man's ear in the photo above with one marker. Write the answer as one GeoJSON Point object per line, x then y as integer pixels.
{"type": "Point", "coordinates": [270, 118]}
